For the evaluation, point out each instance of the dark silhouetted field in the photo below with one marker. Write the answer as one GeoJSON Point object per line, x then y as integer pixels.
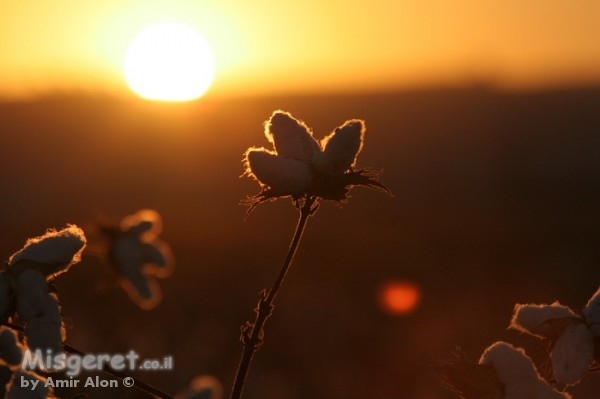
{"type": "Point", "coordinates": [497, 202]}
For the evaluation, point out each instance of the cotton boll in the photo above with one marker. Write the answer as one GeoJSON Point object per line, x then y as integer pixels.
{"type": "Point", "coordinates": [32, 293]}
{"type": "Point", "coordinates": [46, 330]}
{"type": "Point", "coordinates": [55, 250]}
{"type": "Point", "coordinates": [518, 374]}
{"type": "Point", "coordinates": [137, 255]}
{"type": "Point", "coordinates": [129, 256]}
{"type": "Point", "coordinates": [537, 320]}
{"type": "Point", "coordinates": [202, 387]}
{"type": "Point", "coordinates": [341, 147]}
{"type": "Point", "coordinates": [291, 138]}
{"type": "Point", "coordinates": [284, 176]}
{"type": "Point", "coordinates": [16, 391]}
{"type": "Point", "coordinates": [572, 354]}
{"type": "Point", "coordinates": [591, 313]}
{"type": "Point", "coordinates": [11, 351]}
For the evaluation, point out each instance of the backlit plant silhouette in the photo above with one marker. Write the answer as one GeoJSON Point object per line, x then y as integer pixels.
{"type": "Point", "coordinates": [25, 297]}
{"type": "Point", "coordinates": [307, 171]}
{"type": "Point", "coordinates": [506, 372]}
{"type": "Point", "coordinates": [138, 256]}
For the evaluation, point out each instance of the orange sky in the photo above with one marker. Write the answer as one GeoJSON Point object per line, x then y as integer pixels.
{"type": "Point", "coordinates": [280, 46]}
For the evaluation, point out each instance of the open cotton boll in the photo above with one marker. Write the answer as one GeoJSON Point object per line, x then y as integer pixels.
{"type": "Point", "coordinates": [518, 374]}
{"type": "Point", "coordinates": [341, 147]}
{"type": "Point", "coordinates": [284, 176]}
{"type": "Point", "coordinates": [591, 313]}
{"type": "Point", "coordinates": [40, 311]}
{"type": "Point", "coordinates": [46, 331]}
{"type": "Point", "coordinates": [291, 138]}
{"type": "Point", "coordinates": [55, 250]}
{"type": "Point", "coordinates": [136, 260]}
{"type": "Point", "coordinates": [572, 354]}
{"type": "Point", "coordinates": [537, 320]}
{"type": "Point", "coordinates": [11, 351]}
{"type": "Point", "coordinates": [16, 391]}
{"type": "Point", "coordinates": [32, 291]}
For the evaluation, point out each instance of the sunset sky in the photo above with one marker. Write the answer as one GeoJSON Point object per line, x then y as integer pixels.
{"type": "Point", "coordinates": [267, 46]}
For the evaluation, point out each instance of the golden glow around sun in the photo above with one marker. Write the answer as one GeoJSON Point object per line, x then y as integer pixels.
{"type": "Point", "coordinates": [169, 61]}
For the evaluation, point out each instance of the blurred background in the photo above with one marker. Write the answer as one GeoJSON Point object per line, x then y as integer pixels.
{"type": "Point", "coordinates": [484, 118]}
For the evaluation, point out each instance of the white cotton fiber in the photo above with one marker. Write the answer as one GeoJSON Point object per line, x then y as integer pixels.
{"type": "Point", "coordinates": [46, 331]}
{"type": "Point", "coordinates": [518, 374]}
{"type": "Point", "coordinates": [284, 176]}
{"type": "Point", "coordinates": [291, 138]}
{"type": "Point", "coordinates": [572, 354]}
{"type": "Point", "coordinates": [138, 256]}
{"type": "Point", "coordinates": [341, 147]}
{"type": "Point", "coordinates": [56, 250]}
{"type": "Point", "coordinates": [40, 311]}
{"type": "Point", "coordinates": [32, 291]}
{"type": "Point", "coordinates": [536, 319]}
{"type": "Point", "coordinates": [591, 313]}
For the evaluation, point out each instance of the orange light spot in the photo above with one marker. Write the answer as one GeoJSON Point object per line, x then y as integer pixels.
{"type": "Point", "coordinates": [399, 297]}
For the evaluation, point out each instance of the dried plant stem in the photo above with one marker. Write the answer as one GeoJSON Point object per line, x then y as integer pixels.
{"type": "Point", "coordinates": [252, 333]}
{"type": "Point", "coordinates": [141, 385]}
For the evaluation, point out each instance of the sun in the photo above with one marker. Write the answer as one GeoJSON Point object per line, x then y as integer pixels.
{"type": "Point", "coordinates": [169, 61]}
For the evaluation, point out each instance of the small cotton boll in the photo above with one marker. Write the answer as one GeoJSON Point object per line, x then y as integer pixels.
{"type": "Point", "coordinates": [16, 391]}
{"type": "Point", "coordinates": [572, 354]}
{"type": "Point", "coordinates": [135, 260]}
{"type": "Point", "coordinates": [284, 176]}
{"type": "Point", "coordinates": [341, 147]}
{"type": "Point", "coordinates": [11, 351]}
{"type": "Point", "coordinates": [291, 138]}
{"type": "Point", "coordinates": [57, 250]}
{"type": "Point", "coordinates": [536, 319]}
{"type": "Point", "coordinates": [591, 313]}
{"type": "Point", "coordinates": [517, 372]}
{"type": "Point", "coordinates": [202, 387]}
{"type": "Point", "coordinates": [46, 331]}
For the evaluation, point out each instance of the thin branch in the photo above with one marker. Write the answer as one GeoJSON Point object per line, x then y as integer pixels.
{"type": "Point", "coordinates": [252, 333]}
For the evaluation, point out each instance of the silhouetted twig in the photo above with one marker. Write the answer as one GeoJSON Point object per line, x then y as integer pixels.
{"type": "Point", "coordinates": [252, 333]}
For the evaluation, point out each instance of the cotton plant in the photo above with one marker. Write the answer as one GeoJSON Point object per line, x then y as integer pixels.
{"type": "Point", "coordinates": [574, 337]}
{"type": "Point", "coordinates": [301, 167]}
{"type": "Point", "coordinates": [11, 356]}
{"type": "Point", "coordinates": [307, 171]}
{"type": "Point", "coordinates": [138, 256]}
{"type": "Point", "coordinates": [24, 285]}
{"type": "Point", "coordinates": [502, 372]}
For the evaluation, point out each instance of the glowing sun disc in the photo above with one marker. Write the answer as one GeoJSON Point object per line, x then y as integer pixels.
{"type": "Point", "coordinates": [169, 61]}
